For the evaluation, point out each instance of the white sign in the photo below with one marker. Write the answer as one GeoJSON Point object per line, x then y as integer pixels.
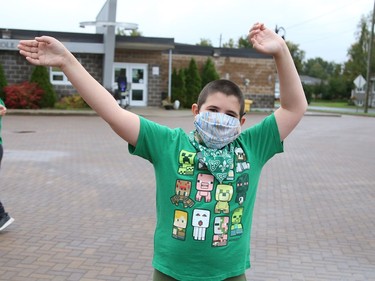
{"type": "Point", "coordinates": [359, 82]}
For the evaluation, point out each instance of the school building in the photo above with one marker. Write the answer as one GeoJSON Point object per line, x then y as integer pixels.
{"type": "Point", "coordinates": [147, 61]}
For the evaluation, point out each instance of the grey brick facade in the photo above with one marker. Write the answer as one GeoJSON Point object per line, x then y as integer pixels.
{"type": "Point", "coordinates": [238, 65]}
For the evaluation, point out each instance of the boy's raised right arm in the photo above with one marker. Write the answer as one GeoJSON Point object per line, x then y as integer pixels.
{"type": "Point", "coordinates": [47, 51]}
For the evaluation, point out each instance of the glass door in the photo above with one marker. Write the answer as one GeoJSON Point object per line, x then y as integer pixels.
{"type": "Point", "coordinates": [136, 75]}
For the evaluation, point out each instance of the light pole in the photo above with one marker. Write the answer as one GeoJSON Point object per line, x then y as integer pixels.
{"type": "Point", "coordinates": [368, 88]}
{"type": "Point", "coordinates": [278, 29]}
{"type": "Point", "coordinates": [109, 37]}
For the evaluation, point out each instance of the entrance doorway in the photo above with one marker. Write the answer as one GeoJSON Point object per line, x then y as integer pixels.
{"type": "Point", "coordinates": [136, 76]}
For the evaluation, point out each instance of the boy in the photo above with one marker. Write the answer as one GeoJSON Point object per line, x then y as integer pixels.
{"type": "Point", "coordinates": [5, 219]}
{"type": "Point", "coordinates": [206, 181]}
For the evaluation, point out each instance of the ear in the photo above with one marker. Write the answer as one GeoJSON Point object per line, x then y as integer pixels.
{"type": "Point", "coordinates": [242, 121]}
{"type": "Point", "coordinates": [194, 109]}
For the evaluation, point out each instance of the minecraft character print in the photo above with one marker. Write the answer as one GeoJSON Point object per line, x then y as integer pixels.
{"type": "Point", "coordinates": [186, 162]}
{"type": "Point", "coordinates": [220, 237]}
{"type": "Point", "coordinates": [242, 165]}
{"type": "Point", "coordinates": [200, 223]}
{"type": "Point", "coordinates": [204, 186]}
{"type": "Point", "coordinates": [179, 224]}
{"type": "Point", "coordinates": [183, 189]}
{"type": "Point", "coordinates": [223, 195]}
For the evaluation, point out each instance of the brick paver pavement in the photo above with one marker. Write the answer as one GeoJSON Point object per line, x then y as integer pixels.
{"type": "Point", "coordinates": [74, 191]}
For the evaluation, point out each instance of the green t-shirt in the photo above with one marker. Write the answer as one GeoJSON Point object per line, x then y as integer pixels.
{"type": "Point", "coordinates": [203, 227]}
{"type": "Point", "coordinates": [1, 140]}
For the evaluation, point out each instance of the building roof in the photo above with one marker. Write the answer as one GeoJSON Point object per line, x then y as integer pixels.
{"type": "Point", "coordinates": [93, 43]}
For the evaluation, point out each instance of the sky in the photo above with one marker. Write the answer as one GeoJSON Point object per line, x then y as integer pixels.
{"type": "Point", "coordinates": [321, 28]}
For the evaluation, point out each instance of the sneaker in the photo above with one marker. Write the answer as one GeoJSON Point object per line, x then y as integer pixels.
{"type": "Point", "coordinates": [5, 221]}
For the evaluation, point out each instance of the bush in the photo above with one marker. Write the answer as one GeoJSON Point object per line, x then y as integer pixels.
{"type": "Point", "coordinates": [178, 86]}
{"type": "Point", "coordinates": [40, 76]}
{"type": "Point", "coordinates": [23, 96]}
{"type": "Point", "coordinates": [193, 83]}
{"type": "Point", "coordinates": [72, 102]}
{"type": "Point", "coordinates": [209, 72]}
{"type": "Point", "coordinates": [3, 82]}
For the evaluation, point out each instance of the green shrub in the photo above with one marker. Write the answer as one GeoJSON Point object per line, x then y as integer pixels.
{"type": "Point", "coordinates": [209, 72]}
{"type": "Point", "coordinates": [40, 76]}
{"type": "Point", "coordinates": [193, 83]}
{"type": "Point", "coordinates": [23, 96]}
{"type": "Point", "coordinates": [178, 87]}
{"type": "Point", "coordinates": [3, 82]}
{"type": "Point", "coordinates": [72, 102]}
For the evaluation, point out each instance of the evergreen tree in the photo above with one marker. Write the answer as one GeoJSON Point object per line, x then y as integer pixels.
{"type": "Point", "coordinates": [3, 83]}
{"type": "Point", "coordinates": [193, 83]}
{"type": "Point", "coordinates": [40, 76]}
{"type": "Point", "coordinates": [178, 86]}
{"type": "Point", "coordinates": [209, 72]}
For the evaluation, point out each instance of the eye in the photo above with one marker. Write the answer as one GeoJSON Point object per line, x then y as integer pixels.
{"type": "Point", "coordinates": [212, 110]}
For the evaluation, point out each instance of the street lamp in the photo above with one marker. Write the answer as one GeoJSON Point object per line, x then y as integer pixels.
{"type": "Point", "coordinates": [278, 29]}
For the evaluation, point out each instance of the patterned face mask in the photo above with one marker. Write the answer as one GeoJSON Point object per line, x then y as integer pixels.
{"type": "Point", "coordinates": [217, 129]}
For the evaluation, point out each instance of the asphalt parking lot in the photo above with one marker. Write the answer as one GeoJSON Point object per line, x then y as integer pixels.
{"type": "Point", "coordinates": [73, 189]}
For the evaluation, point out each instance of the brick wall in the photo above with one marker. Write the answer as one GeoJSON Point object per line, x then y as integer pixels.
{"type": "Point", "coordinates": [18, 70]}
{"type": "Point", "coordinates": [259, 71]}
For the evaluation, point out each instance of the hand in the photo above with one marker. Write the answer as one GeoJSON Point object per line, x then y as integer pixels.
{"type": "Point", "coordinates": [265, 40]}
{"type": "Point", "coordinates": [44, 50]}
{"type": "Point", "coordinates": [3, 110]}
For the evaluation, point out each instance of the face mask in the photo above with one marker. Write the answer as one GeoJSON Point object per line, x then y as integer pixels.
{"type": "Point", "coordinates": [217, 129]}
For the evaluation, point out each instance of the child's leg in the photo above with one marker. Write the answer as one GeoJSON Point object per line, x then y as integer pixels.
{"type": "Point", "coordinates": [2, 210]}
{"type": "Point", "coordinates": [237, 278]}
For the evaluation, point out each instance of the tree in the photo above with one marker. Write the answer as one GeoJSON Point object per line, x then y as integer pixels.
{"type": "Point", "coordinates": [209, 72]}
{"type": "Point", "coordinates": [193, 83]}
{"type": "Point", "coordinates": [40, 76]}
{"type": "Point", "coordinates": [297, 55]}
{"type": "Point", "coordinates": [229, 44]}
{"type": "Point", "coordinates": [358, 53]}
{"type": "Point", "coordinates": [319, 68]}
{"type": "Point", "coordinates": [124, 32]}
{"type": "Point", "coordinates": [205, 42]}
{"type": "Point", "coordinates": [243, 42]}
{"type": "Point", "coordinates": [178, 87]}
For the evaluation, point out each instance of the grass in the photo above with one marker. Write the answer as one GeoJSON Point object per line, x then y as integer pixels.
{"type": "Point", "coordinates": [335, 104]}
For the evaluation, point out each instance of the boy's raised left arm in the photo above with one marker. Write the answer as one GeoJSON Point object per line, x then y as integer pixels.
{"type": "Point", "coordinates": [293, 104]}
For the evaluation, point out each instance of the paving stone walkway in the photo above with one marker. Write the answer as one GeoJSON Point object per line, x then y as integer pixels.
{"type": "Point", "coordinates": [73, 190]}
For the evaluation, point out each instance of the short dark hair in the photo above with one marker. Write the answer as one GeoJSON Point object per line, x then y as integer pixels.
{"type": "Point", "coordinates": [224, 86]}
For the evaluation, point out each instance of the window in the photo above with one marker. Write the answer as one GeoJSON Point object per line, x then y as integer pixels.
{"type": "Point", "coordinates": [57, 77]}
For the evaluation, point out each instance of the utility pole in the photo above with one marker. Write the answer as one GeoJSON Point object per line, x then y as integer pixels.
{"type": "Point", "coordinates": [368, 86]}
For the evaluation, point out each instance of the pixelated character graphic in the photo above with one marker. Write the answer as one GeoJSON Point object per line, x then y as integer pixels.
{"type": "Point", "coordinates": [236, 227]}
{"type": "Point", "coordinates": [186, 162]}
{"type": "Point", "coordinates": [179, 224]}
{"type": "Point", "coordinates": [223, 195]}
{"type": "Point", "coordinates": [242, 186]}
{"type": "Point", "coordinates": [220, 237]}
{"type": "Point", "coordinates": [242, 165]}
{"type": "Point", "coordinates": [200, 222]}
{"type": "Point", "coordinates": [201, 164]}
{"type": "Point", "coordinates": [204, 186]}
{"type": "Point", "coordinates": [230, 175]}
{"type": "Point", "coordinates": [183, 189]}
